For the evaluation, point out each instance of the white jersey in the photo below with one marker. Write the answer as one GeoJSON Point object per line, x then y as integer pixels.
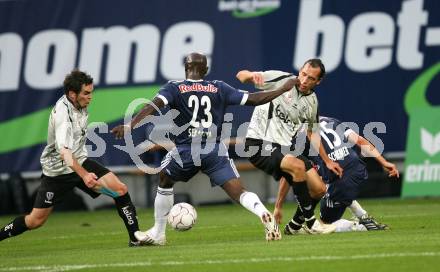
{"type": "Point", "coordinates": [280, 120]}
{"type": "Point", "coordinates": [67, 128]}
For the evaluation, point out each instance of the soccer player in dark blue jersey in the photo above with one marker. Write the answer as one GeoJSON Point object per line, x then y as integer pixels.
{"type": "Point", "coordinates": [202, 105]}
{"type": "Point", "coordinates": [340, 141]}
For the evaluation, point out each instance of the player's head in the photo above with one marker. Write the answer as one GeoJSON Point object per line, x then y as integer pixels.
{"type": "Point", "coordinates": [78, 87]}
{"type": "Point", "coordinates": [196, 66]}
{"type": "Point", "coordinates": [310, 75]}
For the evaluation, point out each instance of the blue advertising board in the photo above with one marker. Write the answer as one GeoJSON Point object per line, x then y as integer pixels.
{"type": "Point", "coordinates": [373, 52]}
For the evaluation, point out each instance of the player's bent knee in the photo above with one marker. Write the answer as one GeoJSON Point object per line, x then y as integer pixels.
{"type": "Point", "coordinates": [115, 192]}
{"type": "Point", "coordinates": [288, 163]}
{"type": "Point", "coordinates": [122, 189]}
{"type": "Point", "coordinates": [112, 186]}
{"type": "Point", "coordinates": [293, 166]}
{"type": "Point", "coordinates": [34, 222]}
{"type": "Point", "coordinates": [299, 168]}
{"type": "Point", "coordinates": [307, 163]}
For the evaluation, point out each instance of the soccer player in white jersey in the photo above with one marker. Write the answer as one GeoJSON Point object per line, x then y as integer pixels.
{"type": "Point", "coordinates": [275, 124]}
{"type": "Point", "coordinates": [66, 166]}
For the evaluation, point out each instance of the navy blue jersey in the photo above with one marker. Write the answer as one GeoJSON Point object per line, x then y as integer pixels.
{"type": "Point", "coordinates": [201, 105]}
{"type": "Point", "coordinates": [334, 137]}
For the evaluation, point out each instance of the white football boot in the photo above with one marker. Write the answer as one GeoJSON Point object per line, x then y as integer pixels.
{"type": "Point", "coordinates": [147, 238]}
{"type": "Point", "coordinates": [319, 228]}
{"type": "Point", "coordinates": [270, 227]}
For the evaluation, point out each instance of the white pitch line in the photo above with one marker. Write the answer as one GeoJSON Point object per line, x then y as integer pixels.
{"type": "Point", "coordinates": [61, 268]}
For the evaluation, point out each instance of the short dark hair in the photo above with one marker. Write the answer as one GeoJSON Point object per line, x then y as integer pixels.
{"type": "Point", "coordinates": [317, 63]}
{"type": "Point", "coordinates": [75, 80]}
{"type": "Point", "coordinates": [196, 62]}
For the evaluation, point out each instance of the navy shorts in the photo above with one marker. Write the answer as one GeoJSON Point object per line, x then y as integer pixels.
{"type": "Point", "coordinates": [182, 163]}
{"type": "Point", "coordinates": [341, 193]}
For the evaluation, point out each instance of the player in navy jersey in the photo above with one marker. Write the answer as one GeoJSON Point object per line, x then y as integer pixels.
{"type": "Point", "coordinates": [202, 105]}
{"type": "Point", "coordinates": [340, 141]}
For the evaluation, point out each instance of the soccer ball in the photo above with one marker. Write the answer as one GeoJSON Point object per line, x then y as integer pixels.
{"type": "Point", "coordinates": [182, 216]}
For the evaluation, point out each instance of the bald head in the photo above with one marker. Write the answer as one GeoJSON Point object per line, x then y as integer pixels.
{"type": "Point", "coordinates": [196, 66]}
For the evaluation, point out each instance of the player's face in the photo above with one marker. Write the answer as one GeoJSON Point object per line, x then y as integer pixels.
{"type": "Point", "coordinates": [308, 78]}
{"type": "Point", "coordinates": [84, 97]}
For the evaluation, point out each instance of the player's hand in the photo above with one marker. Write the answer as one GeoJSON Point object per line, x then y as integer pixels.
{"type": "Point", "coordinates": [335, 168]}
{"type": "Point", "coordinates": [278, 215]}
{"type": "Point", "coordinates": [391, 169]}
{"type": "Point", "coordinates": [289, 84]}
{"type": "Point", "coordinates": [90, 180]}
{"type": "Point", "coordinates": [120, 130]}
{"type": "Point", "coordinates": [258, 79]}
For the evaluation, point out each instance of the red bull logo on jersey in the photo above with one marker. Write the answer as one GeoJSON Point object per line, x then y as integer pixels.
{"type": "Point", "coordinates": [197, 87]}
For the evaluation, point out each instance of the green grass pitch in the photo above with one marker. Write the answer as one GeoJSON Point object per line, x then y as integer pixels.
{"type": "Point", "coordinates": [228, 238]}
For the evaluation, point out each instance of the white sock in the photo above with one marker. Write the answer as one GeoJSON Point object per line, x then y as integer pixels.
{"type": "Point", "coordinates": [356, 209]}
{"type": "Point", "coordinates": [344, 225]}
{"type": "Point", "coordinates": [162, 206]}
{"type": "Point", "coordinates": [252, 203]}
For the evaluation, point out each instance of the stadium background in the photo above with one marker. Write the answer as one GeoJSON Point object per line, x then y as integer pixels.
{"type": "Point", "coordinates": [375, 53]}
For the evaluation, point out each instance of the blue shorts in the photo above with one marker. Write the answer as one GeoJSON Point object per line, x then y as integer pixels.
{"type": "Point", "coordinates": [180, 164]}
{"type": "Point", "coordinates": [341, 193]}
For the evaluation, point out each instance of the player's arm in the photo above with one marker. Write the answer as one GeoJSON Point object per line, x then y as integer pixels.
{"type": "Point", "coordinates": [90, 179]}
{"type": "Point", "coordinates": [64, 142]}
{"type": "Point", "coordinates": [246, 76]}
{"type": "Point", "coordinates": [261, 98]}
{"type": "Point", "coordinates": [283, 189]}
{"type": "Point", "coordinates": [370, 150]}
{"type": "Point", "coordinates": [147, 110]}
{"type": "Point", "coordinates": [315, 140]}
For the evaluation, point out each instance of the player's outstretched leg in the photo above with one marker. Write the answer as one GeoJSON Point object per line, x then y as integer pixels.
{"type": "Point", "coordinates": [306, 206]}
{"type": "Point", "coordinates": [110, 185]}
{"type": "Point", "coordinates": [14, 228]}
{"type": "Point", "coordinates": [162, 205]}
{"type": "Point", "coordinates": [127, 212]}
{"type": "Point", "coordinates": [344, 225]}
{"type": "Point", "coordinates": [34, 220]}
{"type": "Point", "coordinates": [296, 169]}
{"type": "Point", "coordinates": [253, 203]}
{"type": "Point", "coordinates": [364, 218]}
{"type": "Point", "coordinates": [300, 169]}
